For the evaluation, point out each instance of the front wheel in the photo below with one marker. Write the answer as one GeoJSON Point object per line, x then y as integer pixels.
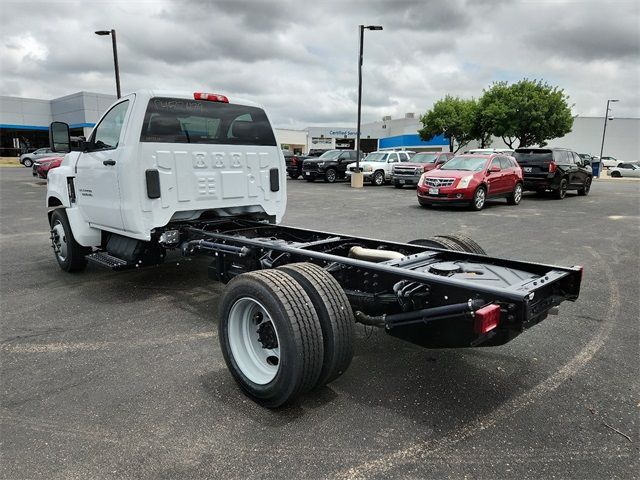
{"type": "Point", "coordinates": [27, 162]}
{"type": "Point", "coordinates": [561, 192]}
{"type": "Point", "coordinates": [479, 198]}
{"type": "Point", "coordinates": [377, 178]}
{"type": "Point", "coordinates": [516, 196]}
{"type": "Point", "coordinates": [71, 256]}
{"type": "Point", "coordinates": [270, 336]}
{"type": "Point", "coordinates": [587, 186]}
{"type": "Point", "coordinates": [330, 176]}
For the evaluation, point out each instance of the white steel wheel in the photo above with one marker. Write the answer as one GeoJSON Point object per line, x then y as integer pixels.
{"type": "Point", "coordinates": [253, 340]}
{"type": "Point", "coordinates": [270, 336]}
{"type": "Point", "coordinates": [69, 254]}
{"type": "Point", "coordinates": [59, 241]}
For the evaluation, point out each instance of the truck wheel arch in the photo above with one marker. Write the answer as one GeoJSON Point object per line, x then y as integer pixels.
{"type": "Point", "coordinates": [53, 203]}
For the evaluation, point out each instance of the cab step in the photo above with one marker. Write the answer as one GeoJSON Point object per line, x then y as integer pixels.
{"type": "Point", "coordinates": [105, 260]}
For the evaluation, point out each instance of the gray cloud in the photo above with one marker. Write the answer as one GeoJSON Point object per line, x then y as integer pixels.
{"type": "Point", "coordinates": [299, 59]}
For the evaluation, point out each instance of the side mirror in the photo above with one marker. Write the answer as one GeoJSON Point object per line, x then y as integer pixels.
{"type": "Point", "coordinates": [59, 138]}
{"type": "Point", "coordinates": [586, 162]}
{"type": "Point", "coordinates": [494, 169]}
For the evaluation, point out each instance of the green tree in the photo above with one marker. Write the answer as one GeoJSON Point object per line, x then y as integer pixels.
{"type": "Point", "coordinates": [452, 116]}
{"type": "Point", "coordinates": [529, 112]}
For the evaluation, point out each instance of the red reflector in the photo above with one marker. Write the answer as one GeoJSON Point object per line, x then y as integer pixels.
{"type": "Point", "coordinates": [552, 167]}
{"type": "Point", "coordinates": [486, 319]}
{"type": "Point", "coordinates": [294, 160]}
{"type": "Point", "coordinates": [212, 97]}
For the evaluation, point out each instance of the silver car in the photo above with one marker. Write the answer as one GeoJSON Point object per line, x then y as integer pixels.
{"type": "Point", "coordinates": [28, 158]}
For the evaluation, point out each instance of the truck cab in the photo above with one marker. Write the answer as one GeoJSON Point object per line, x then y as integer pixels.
{"type": "Point", "coordinates": [159, 157]}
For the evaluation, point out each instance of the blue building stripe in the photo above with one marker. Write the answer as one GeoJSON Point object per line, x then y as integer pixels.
{"type": "Point", "coordinates": [414, 140]}
{"type": "Point", "coordinates": [23, 127]}
{"type": "Point", "coordinates": [40, 127]}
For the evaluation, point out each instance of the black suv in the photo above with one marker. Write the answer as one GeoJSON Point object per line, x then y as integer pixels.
{"type": "Point", "coordinates": [294, 164]}
{"type": "Point", "coordinates": [330, 166]}
{"type": "Point", "coordinates": [555, 169]}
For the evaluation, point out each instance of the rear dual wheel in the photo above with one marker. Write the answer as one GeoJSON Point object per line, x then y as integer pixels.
{"type": "Point", "coordinates": [460, 243]}
{"type": "Point", "coordinates": [283, 332]}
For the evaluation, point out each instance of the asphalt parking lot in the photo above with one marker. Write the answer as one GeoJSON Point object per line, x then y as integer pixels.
{"type": "Point", "coordinates": [119, 375]}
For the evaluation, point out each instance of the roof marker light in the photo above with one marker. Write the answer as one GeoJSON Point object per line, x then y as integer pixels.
{"type": "Point", "coordinates": [211, 97]}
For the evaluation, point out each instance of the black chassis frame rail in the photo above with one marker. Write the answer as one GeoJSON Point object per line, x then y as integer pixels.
{"type": "Point", "coordinates": [382, 290]}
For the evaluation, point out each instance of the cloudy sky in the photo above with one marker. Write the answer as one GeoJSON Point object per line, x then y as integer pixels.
{"type": "Point", "coordinates": [299, 58]}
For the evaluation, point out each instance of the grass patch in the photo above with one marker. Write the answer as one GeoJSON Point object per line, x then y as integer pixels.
{"type": "Point", "coordinates": [9, 162]}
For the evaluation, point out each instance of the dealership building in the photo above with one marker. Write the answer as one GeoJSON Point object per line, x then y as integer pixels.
{"type": "Point", "coordinates": [24, 123]}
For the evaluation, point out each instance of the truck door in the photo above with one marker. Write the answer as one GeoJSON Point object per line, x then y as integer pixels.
{"type": "Point", "coordinates": [97, 186]}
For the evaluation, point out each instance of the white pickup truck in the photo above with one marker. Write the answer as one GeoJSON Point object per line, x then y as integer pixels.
{"type": "Point", "coordinates": [378, 166]}
{"type": "Point", "coordinates": [201, 175]}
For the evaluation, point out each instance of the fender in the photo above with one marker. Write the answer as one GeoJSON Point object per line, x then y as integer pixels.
{"type": "Point", "coordinates": [84, 234]}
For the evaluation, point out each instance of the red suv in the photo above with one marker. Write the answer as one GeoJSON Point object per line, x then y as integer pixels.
{"type": "Point", "coordinates": [471, 180]}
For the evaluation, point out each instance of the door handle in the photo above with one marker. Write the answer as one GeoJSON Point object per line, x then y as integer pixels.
{"type": "Point", "coordinates": [109, 162]}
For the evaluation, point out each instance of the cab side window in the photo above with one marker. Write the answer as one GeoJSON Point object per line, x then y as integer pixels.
{"type": "Point", "coordinates": [495, 163]}
{"type": "Point", "coordinates": [393, 157]}
{"type": "Point", "coordinates": [107, 134]}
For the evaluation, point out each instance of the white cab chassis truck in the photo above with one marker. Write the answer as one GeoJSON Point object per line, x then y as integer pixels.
{"type": "Point", "coordinates": [203, 175]}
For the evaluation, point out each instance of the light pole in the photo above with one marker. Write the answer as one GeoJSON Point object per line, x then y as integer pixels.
{"type": "Point", "coordinates": [604, 131]}
{"type": "Point", "coordinates": [115, 56]}
{"type": "Point", "coordinates": [356, 178]}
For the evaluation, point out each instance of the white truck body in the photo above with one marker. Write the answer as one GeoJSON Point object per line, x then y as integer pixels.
{"type": "Point", "coordinates": [220, 169]}
{"type": "Point", "coordinates": [383, 161]}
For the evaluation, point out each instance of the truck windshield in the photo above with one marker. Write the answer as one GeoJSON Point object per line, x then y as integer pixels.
{"type": "Point", "coordinates": [471, 164]}
{"type": "Point", "coordinates": [330, 155]}
{"type": "Point", "coordinates": [180, 120]}
{"type": "Point", "coordinates": [424, 158]}
{"type": "Point", "coordinates": [377, 157]}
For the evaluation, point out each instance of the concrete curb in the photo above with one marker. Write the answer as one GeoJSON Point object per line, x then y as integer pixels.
{"type": "Point", "coordinates": [621, 179]}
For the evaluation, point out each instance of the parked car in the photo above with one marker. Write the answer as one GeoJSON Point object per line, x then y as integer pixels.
{"type": "Point", "coordinates": [41, 167]}
{"type": "Point", "coordinates": [409, 173]}
{"type": "Point", "coordinates": [587, 158]}
{"type": "Point", "coordinates": [625, 170]}
{"type": "Point", "coordinates": [555, 169]}
{"type": "Point", "coordinates": [330, 166]}
{"type": "Point", "coordinates": [472, 179]}
{"type": "Point", "coordinates": [377, 166]}
{"type": "Point", "coordinates": [610, 162]}
{"type": "Point", "coordinates": [294, 164]}
{"type": "Point", "coordinates": [27, 159]}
